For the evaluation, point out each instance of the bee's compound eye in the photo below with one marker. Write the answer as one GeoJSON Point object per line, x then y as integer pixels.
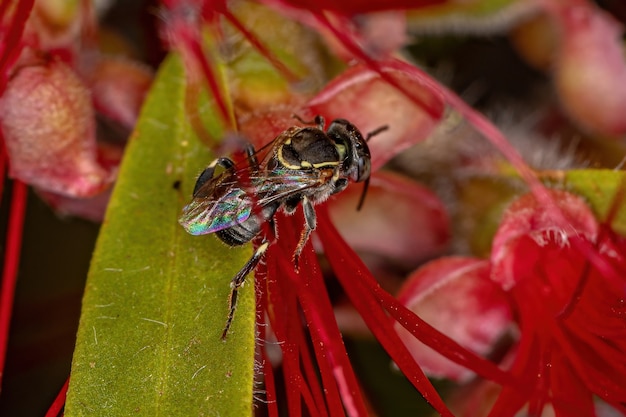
{"type": "Point", "coordinates": [364, 168]}
{"type": "Point", "coordinates": [340, 130]}
{"type": "Point", "coordinates": [362, 159]}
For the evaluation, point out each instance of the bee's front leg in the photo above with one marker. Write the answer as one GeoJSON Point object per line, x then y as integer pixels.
{"type": "Point", "coordinates": [252, 157]}
{"type": "Point", "coordinates": [318, 121]}
{"type": "Point", "coordinates": [238, 281]}
{"type": "Point", "coordinates": [310, 223]}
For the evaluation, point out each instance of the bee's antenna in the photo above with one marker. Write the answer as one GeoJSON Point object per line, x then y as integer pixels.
{"type": "Point", "coordinates": [376, 132]}
{"type": "Point", "coordinates": [366, 184]}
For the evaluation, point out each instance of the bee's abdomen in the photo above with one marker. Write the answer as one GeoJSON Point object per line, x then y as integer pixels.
{"type": "Point", "coordinates": [240, 233]}
{"type": "Point", "coordinates": [245, 231]}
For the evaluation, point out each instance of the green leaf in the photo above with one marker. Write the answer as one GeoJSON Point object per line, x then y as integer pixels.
{"type": "Point", "coordinates": [600, 188]}
{"type": "Point", "coordinates": [482, 200]}
{"type": "Point", "coordinates": [156, 298]}
{"type": "Point", "coordinates": [470, 17]}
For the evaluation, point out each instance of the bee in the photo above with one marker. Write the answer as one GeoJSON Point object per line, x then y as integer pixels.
{"type": "Point", "coordinates": [304, 166]}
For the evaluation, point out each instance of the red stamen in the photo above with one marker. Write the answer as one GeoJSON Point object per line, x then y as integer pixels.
{"type": "Point", "coordinates": [282, 312]}
{"type": "Point", "coordinates": [270, 387]}
{"type": "Point", "coordinates": [542, 387]}
{"type": "Point", "coordinates": [434, 112]}
{"type": "Point", "coordinates": [420, 329]}
{"type": "Point", "coordinates": [4, 5]}
{"type": "Point", "coordinates": [589, 339]}
{"type": "Point", "coordinates": [569, 308]}
{"type": "Point", "coordinates": [285, 319]}
{"type": "Point", "coordinates": [12, 38]}
{"type": "Point", "coordinates": [185, 34]}
{"type": "Point", "coordinates": [209, 74]}
{"type": "Point", "coordinates": [59, 401]}
{"type": "Point", "coordinates": [3, 164]}
{"type": "Point", "coordinates": [327, 341]}
{"type": "Point", "coordinates": [356, 281]}
{"type": "Point", "coordinates": [340, 384]}
{"type": "Point", "coordinates": [310, 374]}
{"type": "Point", "coordinates": [513, 398]}
{"type": "Point", "coordinates": [11, 264]}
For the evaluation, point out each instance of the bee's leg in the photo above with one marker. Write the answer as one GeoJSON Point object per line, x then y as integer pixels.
{"type": "Point", "coordinates": [209, 172]}
{"type": "Point", "coordinates": [252, 159]}
{"type": "Point", "coordinates": [272, 230]}
{"type": "Point", "coordinates": [319, 121]}
{"type": "Point", "coordinates": [310, 223]}
{"type": "Point", "coordinates": [239, 280]}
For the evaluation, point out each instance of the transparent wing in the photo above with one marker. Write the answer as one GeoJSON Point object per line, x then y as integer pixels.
{"type": "Point", "coordinates": [209, 214]}
{"type": "Point", "coordinates": [280, 187]}
{"type": "Point", "coordinates": [224, 202]}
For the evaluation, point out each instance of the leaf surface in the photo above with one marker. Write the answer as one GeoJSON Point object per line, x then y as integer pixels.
{"type": "Point", "coordinates": [602, 189]}
{"type": "Point", "coordinates": [156, 298]}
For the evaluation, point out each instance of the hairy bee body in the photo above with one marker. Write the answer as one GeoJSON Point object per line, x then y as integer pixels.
{"type": "Point", "coordinates": [304, 166]}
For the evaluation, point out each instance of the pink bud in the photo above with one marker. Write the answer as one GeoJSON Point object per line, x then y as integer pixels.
{"type": "Point", "coordinates": [383, 32]}
{"type": "Point", "coordinates": [400, 220]}
{"type": "Point", "coordinates": [456, 296]}
{"type": "Point", "coordinates": [369, 101]}
{"type": "Point", "coordinates": [590, 73]}
{"type": "Point", "coordinates": [57, 15]}
{"type": "Point", "coordinates": [49, 131]}
{"type": "Point", "coordinates": [119, 87]}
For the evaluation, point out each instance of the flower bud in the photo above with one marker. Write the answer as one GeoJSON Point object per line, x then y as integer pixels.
{"type": "Point", "coordinates": [119, 87]}
{"type": "Point", "coordinates": [590, 70]}
{"type": "Point", "coordinates": [456, 296]}
{"type": "Point", "coordinates": [48, 125]}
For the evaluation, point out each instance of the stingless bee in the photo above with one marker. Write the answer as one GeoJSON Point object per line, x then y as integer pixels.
{"type": "Point", "coordinates": [305, 165]}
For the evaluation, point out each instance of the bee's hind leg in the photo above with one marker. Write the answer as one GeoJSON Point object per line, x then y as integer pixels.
{"type": "Point", "coordinates": [239, 280]}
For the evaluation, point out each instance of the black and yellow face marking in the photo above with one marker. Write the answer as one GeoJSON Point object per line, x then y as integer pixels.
{"type": "Point", "coordinates": [304, 167]}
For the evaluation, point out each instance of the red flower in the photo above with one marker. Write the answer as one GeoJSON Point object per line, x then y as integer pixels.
{"type": "Point", "coordinates": [291, 298]}
{"type": "Point", "coordinates": [565, 288]}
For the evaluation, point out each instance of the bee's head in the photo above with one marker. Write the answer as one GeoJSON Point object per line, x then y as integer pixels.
{"type": "Point", "coordinates": [352, 148]}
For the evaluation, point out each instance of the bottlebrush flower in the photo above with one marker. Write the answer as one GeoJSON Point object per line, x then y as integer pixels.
{"type": "Point", "coordinates": [567, 288]}
{"type": "Point", "coordinates": [290, 298]}
{"type": "Point", "coordinates": [370, 98]}
{"type": "Point", "coordinates": [562, 285]}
